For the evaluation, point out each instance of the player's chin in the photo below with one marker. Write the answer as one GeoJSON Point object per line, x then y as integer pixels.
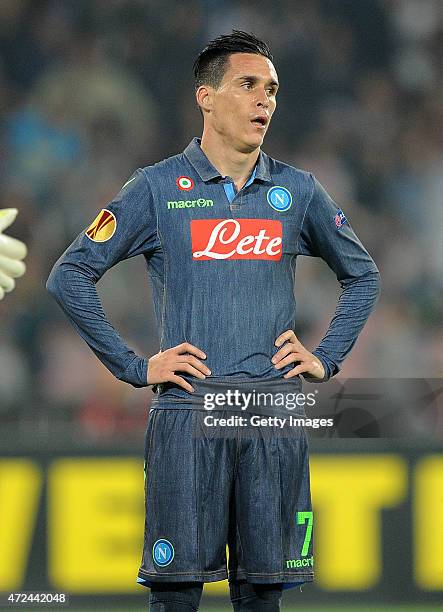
{"type": "Point", "coordinates": [255, 140]}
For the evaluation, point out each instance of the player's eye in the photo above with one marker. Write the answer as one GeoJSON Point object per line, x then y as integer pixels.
{"type": "Point", "coordinates": [248, 84]}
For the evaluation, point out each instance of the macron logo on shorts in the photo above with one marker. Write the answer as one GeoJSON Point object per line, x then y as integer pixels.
{"type": "Point", "coordinates": [236, 239]}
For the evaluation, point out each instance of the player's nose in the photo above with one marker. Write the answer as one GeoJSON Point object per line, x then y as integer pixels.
{"type": "Point", "coordinates": [262, 101]}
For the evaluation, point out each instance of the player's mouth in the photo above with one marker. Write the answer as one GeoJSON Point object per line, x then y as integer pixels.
{"type": "Point", "coordinates": [260, 121]}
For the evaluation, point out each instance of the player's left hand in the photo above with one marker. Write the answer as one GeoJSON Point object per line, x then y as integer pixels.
{"type": "Point", "coordinates": [294, 351]}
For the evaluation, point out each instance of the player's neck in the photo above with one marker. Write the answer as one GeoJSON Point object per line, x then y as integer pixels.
{"type": "Point", "coordinates": [227, 160]}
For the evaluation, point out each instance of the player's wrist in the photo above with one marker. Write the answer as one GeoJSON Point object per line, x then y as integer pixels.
{"type": "Point", "coordinates": [327, 372]}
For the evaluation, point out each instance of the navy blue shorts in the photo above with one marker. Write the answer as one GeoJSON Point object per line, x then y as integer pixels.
{"type": "Point", "coordinates": [211, 486]}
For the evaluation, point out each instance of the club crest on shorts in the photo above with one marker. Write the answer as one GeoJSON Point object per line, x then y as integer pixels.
{"type": "Point", "coordinates": [162, 552]}
{"type": "Point", "coordinates": [279, 198]}
{"type": "Point", "coordinates": [103, 226]}
{"type": "Point", "coordinates": [340, 219]}
{"type": "Point", "coordinates": [185, 183]}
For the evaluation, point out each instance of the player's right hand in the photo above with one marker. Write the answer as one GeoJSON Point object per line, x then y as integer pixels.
{"type": "Point", "coordinates": [163, 366]}
{"type": "Point", "coordinates": [12, 251]}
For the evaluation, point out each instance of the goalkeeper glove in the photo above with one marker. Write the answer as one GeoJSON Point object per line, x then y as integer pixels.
{"type": "Point", "coordinates": [12, 251]}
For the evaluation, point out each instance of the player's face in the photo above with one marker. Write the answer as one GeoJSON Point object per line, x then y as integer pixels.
{"type": "Point", "coordinates": [245, 101]}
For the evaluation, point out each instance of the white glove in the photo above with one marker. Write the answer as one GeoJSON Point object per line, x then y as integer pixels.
{"type": "Point", "coordinates": [12, 251]}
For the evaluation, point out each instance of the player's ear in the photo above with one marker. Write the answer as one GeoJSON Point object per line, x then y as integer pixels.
{"type": "Point", "coordinates": [204, 95]}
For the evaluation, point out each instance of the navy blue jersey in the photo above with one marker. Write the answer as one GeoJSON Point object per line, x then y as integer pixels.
{"type": "Point", "coordinates": [222, 265]}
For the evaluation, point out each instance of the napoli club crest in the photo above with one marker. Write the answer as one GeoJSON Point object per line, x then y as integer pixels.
{"type": "Point", "coordinates": [279, 198]}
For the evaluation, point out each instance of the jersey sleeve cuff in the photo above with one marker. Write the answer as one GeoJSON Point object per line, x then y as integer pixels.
{"type": "Point", "coordinates": [136, 374]}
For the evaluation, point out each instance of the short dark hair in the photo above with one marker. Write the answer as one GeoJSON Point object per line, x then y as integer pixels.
{"type": "Point", "coordinates": [210, 65]}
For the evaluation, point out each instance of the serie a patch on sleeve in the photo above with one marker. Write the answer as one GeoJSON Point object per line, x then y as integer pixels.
{"type": "Point", "coordinates": [103, 226]}
{"type": "Point", "coordinates": [340, 218]}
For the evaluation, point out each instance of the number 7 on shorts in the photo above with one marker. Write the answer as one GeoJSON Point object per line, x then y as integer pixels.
{"type": "Point", "coordinates": [302, 518]}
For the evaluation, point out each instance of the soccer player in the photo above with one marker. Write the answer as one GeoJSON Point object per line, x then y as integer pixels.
{"type": "Point", "coordinates": [220, 226]}
{"type": "Point", "coordinates": [12, 251]}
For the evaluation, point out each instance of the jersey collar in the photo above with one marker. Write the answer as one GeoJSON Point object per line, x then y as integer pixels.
{"type": "Point", "coordinates": [206, 170]}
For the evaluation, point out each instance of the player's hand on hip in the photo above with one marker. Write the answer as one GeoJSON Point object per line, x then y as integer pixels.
{"type": "Point", "coordinates": [12, 251]}
{"type": "Point", "coordinates": [293, 351]}
{"type": "Point", "coordinates": [163, 366]}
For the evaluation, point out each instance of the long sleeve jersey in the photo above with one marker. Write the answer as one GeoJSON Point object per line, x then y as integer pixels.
{"type": "Point", "coordinates": [221, 263]}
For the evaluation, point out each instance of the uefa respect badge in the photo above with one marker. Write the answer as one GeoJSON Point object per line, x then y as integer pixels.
{"type": "Point", "coordinates": [340, 219]}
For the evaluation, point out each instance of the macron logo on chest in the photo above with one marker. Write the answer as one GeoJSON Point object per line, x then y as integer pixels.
{"type": "Point", "coordinates": [236, 239]}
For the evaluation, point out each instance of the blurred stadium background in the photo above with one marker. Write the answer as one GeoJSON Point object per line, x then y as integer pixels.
{"type": "Point", "coordinates": [91, 90]}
